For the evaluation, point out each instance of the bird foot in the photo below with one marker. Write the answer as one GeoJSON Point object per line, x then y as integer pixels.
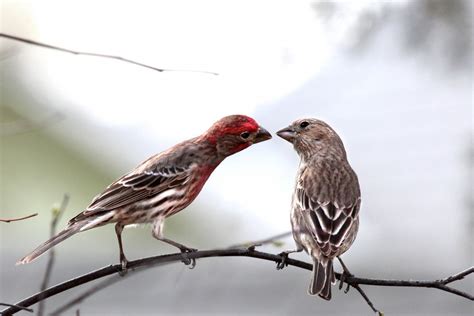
{"type": "Point", "coordinates": [124, 270]}
{"type": "Point", "coordinates": [282, 264]}
{"type": "Point", "coordinates": [189, 262]}
{"type": "Point", "coordinates": [344, 276]}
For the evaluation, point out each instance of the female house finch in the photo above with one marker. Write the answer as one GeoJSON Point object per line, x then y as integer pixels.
{"type": "Point", "coordinates": [162, 185]}
{"type": "Point", "coordinates": [326, 200]}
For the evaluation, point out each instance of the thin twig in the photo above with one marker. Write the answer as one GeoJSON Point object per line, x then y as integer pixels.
{"type": "Point", "coordinates": [20, 307]}
{"type": "Point", "coordinates": [366, 298]}
{"type": "Point", "coordinates": [80, 298]}
{"type": "Point", "coordinates": [234, 252]}
{"type": "Point", "coordinates": [126, 60]}
{"type": "Point", "coordinates": [458, 276]}
{"type": "Point", "coordinates": [57, 213]}
{"type": "Point", "coordinates": [261, 242]}
{"type": "Point", "coordinates": [356, 286]}
{"type": "Point", "coordinates": [17, 219]}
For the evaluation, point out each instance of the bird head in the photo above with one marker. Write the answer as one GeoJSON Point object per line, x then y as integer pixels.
{"type": "Point", "coordinates": [310, 136]}
{"type": "Point", "coordinates": [234, 133]}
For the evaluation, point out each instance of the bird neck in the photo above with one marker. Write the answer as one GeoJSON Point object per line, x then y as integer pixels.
{"type": "Point", "coordinates": [324, 154]}
{"type": "Point", "coordinates": [208, 152]}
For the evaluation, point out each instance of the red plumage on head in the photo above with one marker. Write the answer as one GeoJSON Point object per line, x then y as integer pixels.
{"type": "Point", "coordinates": [231, 125]}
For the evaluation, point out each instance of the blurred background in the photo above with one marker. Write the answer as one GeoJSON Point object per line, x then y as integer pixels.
{"type": "Point", "coordinates": [394, 78]}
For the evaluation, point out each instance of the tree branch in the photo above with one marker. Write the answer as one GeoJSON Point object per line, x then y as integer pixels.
{"type": "Point", "coordinates": [20, 307]}
{"type": "Point", "coordinates": [8, 220]}
{"type": "Point", "coordinates": [241, 252]}
{"type": "Point", "coordinates": [126, 60]}
{"type": "Point", "coordinates": [114, 279]}
{"type": "Point", "coordinates": [57, 213]}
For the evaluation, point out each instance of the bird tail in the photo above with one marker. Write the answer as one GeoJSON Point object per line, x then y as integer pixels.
{"type": "Point", "coordinates": [66, 233]}
{"type": "Point", "coordinates": [322, 278]}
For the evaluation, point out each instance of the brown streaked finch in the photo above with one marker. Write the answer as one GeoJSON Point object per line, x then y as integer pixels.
{"type": "Point", "coordinates": [326, 200]}
{"type": "Point", "coordinates": [162, 185]}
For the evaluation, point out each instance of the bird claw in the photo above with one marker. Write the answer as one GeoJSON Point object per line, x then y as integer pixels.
{"type": "Point", "coordinates": [282, 264]}
{"type": "Point", "coordinates": [343, 278]}
{"type": "Point", "coordinates": [348, 287]}
{"type": "Point", "coordinates": [188, 262]}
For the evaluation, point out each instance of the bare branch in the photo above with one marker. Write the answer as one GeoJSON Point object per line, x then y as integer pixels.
{"type": "Point", "coordinates": [4, 220]}
{"type": "Point", "coordinates": [458, 276]}
{"type": "Point", "coordinates": [178, 257]}
{"type": "Point", "coordinates": [114, 279]}
{"type": "Point", "coordinates": [57, 213]}
{"type": "Point", "coordinates": [20, 307]}
{"type": "Point", "coordinates": [126, 60]}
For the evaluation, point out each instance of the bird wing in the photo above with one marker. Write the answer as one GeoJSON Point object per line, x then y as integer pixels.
{"type": "Point", "coordinates": [328, 216]}
{"type": "Point", "coordinates": [154, 176]}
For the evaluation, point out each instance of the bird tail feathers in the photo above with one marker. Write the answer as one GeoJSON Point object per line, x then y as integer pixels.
{"type": "Point", "coordinates": [64, 234]}
{"type": "Point", "coordinates": [322, 278]}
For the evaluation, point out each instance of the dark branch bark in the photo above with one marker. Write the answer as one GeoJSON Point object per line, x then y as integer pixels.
{"type": "Point", "coordinates": [57, 213]}
{"type": "Point", "coordinates": [157, 260]}
{"type": "Point", "coordinates": [126, 60]}
{"type": "Point", "coordinates": [20, 307]}
{"type": "Point", "coordinates": [8, 220]}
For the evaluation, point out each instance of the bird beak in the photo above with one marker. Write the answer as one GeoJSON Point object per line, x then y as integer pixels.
{"type": "Point", "coordinates": [262, 135]}
{"type": "Point", "coordinates": [287, 134]}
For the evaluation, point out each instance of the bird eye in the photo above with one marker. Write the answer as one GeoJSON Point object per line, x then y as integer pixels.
{"type": "Point", "coordinates": [304, 124]}
{"type": "Point", "coordinates": [245, 135]}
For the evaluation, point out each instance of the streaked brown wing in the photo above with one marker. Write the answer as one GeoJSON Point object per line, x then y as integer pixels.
{"type": "Point", "coordinates": [329, 221]}
{"type": "Point", "coordinates": [134, 187]}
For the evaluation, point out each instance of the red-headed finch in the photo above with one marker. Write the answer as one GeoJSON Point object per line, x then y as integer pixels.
{"type": "Point", "coordinates": [162, 185]}
{"type": "Point", "coordinates": [326, 200]}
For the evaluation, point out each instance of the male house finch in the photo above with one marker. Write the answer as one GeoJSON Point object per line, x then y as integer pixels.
{"type": "Point", "coordinates": [162, 185]}
{"type": "Point", "coordinates": [326, 200]}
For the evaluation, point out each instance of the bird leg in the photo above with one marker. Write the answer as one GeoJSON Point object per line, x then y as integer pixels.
{"type": "Point", "coordinates": [345, 273]}
{"type": "Point", "coordinates": [158, 234]}
{"type": "Point", "coordinates": [123, 259]}
{"type": "Point", "coordinates": [284, 255]}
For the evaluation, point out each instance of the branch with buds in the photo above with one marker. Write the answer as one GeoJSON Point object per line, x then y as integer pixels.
{"type": "Point", "coordinates": [250, 252]}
